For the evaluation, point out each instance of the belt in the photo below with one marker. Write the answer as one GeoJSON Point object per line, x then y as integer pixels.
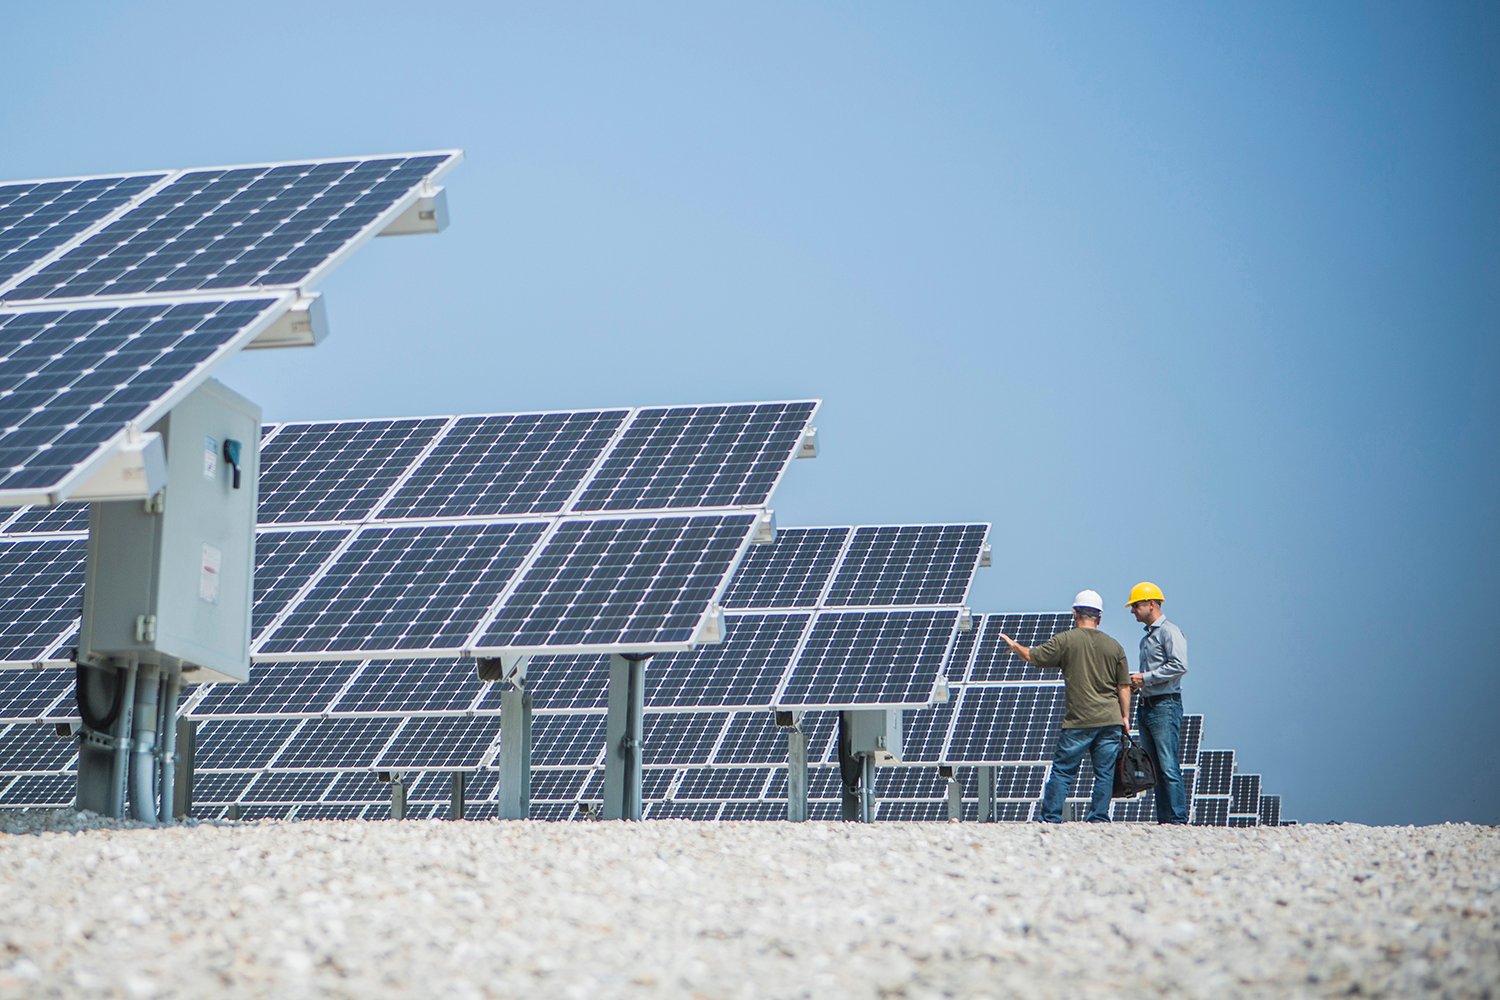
{"type": "Point", "coordinates": [1162, 697]}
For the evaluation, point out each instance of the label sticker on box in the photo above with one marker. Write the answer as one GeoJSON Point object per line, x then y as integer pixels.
{"type": "Point", "coordinates": [210, 458]}
{"type": "Point", "coordinates": [208, 578]}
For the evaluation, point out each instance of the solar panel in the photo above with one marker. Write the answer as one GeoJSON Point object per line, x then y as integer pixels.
{"type": "Point", "coordinates": [1245, 794]}
{"type": "Point", "coordinates": [337, 470]}
{"type": "Point", "coordinates": [64, 517]}
{"type": "Point", "coordinates": [221, 786]}
{"type": "Point", "coordinates": [621, 583]}
{"type": "Point", "coordinates": [660, 460]}
{"type": "Point", "coordinates": [718, 783]}
{"type": "Point", "coordinates": [298, 689]}
{"type": "Point", "coordinates": [29, 747]}
{"type": "Point", "coordinates": [914, 565]}
{"type": "Point", "coordinates": [866, 659]}
{"type": "Point", "coordinates": [412, 687]}
{"type": "Point", "coordinates": [241, 744]}
{"type": "Point", "coordinates": [567, 740]}
{"type": "Point", "coordinates": [285, 562]}
{"type": "Point", "coordinates": [791, 572]}
{"type": "Point", "coordinates": [73, 380]}
{"type": "Point", "coordinates": [1270, 810]}
{"type": "Point", "coordinates": [761, 811]}
{"type": "Point", "coordinates": [1192, 737]}
{"type": "Point", "coordinates": [528, 463]}
{"type": "Point", "coordinates": [754, 738]}
{"type": "Point", "coordinates": [670, 809]}
{"type": "Point", "coordinates": [288, 786]}
{"type": "Point", "coordinates": [1211, 812]}
{"type": "Point", "coordinates": [1006, 724]}
{"type": "Point", "coordinates": [563, 785]}
{"type": "Point", "coordinates": [742, 671]}
{"type": "Point", "coordinates": [1020, 781]}
{"type": "Point", "coordinates": [925, 731]}
{"type": "Point", "coordinates": [358, 786]}
{"type": "Point", "coordinates": [448, 743]}
{"type": "Point", "coordinates": [38, 218]}
{"type": "Point", "coordinates": [251, 227]}
{"type": "Point", "coordinates": [25, 696]}
{"type": "Point", "coordinates": [680, 738]}
{"type": "Point", "coordinates": [993, 660]}
{"type": "Point", "coordinates": [41, 790]}
{"type": "Point", "coordinates": [1215, 772]}
{"type": "Point", "coordinates": [380, 593]}
{"type": "Point", "coordinates": [336, 744]}
{"type": "Point", "coordinates": [41, 596]}
{"type": "Point", "coordinates": [572, 681]}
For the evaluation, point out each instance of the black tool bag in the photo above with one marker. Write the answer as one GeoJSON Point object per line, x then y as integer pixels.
{"type": "Point", "coordinates": [1134, 771]}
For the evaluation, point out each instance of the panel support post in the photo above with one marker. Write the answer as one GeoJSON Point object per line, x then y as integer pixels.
{"type": "Point", "coordinates": [623, 736]}
{"type": "Point", "coordinates": [187, 751]}
{"type": "Point", "coordinates": [796, 765]}
{"type": "Point", "coordinates": [398, 796]}
{"type": "Point", "coordinates": [988, 812]}
{"type": "Point", "coordinates": [456, 796]}
{"type": "Point", "coordinates": [515, 754]}
{"type": "Point", "coordinates": [955, 792]}
{"type": "Point", "coordinates": [171, 691]}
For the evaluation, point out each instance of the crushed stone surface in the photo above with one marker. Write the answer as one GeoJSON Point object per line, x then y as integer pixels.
{"type": "Point", "coordinates": [680, 909]}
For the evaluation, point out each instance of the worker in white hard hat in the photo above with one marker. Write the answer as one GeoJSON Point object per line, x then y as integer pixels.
{"type": "Point", "coordinates": [1163, 661]}
{"type": "Point", "coordinates": [1096, 682]}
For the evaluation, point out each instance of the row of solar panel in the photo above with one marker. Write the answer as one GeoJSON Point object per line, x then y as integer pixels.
{"type": "Point", "coordinates": [246, 227]}
{"type": "Point", "coordinates": [506, 465]}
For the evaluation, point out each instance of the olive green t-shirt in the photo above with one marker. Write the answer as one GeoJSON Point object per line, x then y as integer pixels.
{"type": "Point", "coordinates": [1093, 668]}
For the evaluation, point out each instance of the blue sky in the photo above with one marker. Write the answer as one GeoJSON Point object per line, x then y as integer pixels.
{"type": "Point", "coordinates": [1208, 296]}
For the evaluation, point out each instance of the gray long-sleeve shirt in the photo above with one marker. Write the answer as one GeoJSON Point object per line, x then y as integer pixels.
{"type": "Point", "coordinates": [1163, 658]}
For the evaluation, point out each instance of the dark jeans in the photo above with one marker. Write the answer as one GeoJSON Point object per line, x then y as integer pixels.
{"type": "Point", "coordinates": [1103, 745]}
{"type": "Point", "coordinates": [1161, 732]}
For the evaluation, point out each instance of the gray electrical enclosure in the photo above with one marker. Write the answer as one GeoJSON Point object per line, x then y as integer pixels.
{"type": "Point", "coordinates": [169, 581]}
{"type": "Point", "coordinates": [876, 733]}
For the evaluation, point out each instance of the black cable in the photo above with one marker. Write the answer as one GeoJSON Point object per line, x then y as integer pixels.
{"type": "Point", "coordinates": [851, 768]}
{"type": "Point", "coordinates": [97, 723]}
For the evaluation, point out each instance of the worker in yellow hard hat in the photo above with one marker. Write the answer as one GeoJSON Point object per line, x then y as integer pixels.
{"type": "Point", "coordinates": [1163, 661]}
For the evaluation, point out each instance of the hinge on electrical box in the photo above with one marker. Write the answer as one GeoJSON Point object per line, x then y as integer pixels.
{"type": "Point", "coordinates": [157, 502]}
{"type": "Point", "coordinates": [145, 628]}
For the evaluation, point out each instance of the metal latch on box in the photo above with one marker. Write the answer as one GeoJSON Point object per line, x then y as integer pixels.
{"type": "Point", "coordinates": [145, 628]}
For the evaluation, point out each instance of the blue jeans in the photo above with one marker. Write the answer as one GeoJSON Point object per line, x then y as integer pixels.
{"type": "Point", "coordinates": [1161, 732]}
{"type": "Point", "coordinates": [1103, 745]}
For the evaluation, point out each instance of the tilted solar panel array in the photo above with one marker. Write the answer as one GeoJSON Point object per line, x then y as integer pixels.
{"type": "Point", "coordinates": [103, 324]}
{"type": "Point", "coordinates": [368, 548]}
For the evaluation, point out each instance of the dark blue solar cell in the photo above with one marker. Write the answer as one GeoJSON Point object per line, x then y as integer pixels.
{"type": "Point", "coordinates": [72, 380]}
{"type": "Point", "coordinates": [699, 456]}
{"type": "Point", "coordinates": [39, 217]}
{"type": "Point", "coordinates": [336, 470]}
{"type": "Point", "coordinates": [791, 572]}
{"type": "Point", "coordinates": [412, 687]}
{"type": "Point", "coordinates": [1211, 812]}
{"type": "Point", "coordinates": [414, 589]}
{"type": "Point", "coordinates": [41, 594]}
{"type": "Point", "coordinates": [927, 565]}
{"type": "Point", "coordinates": [518, 464]}
{"type": "Point", "coordinates": [1006, 724]}
{"type": "Point", "coordinates": [1192, 736]}
{"type": "Point", "coordinates": [284, 562]}
{"type": "Point", "coordinates": [871, 659]}
{"type": "Point", "coordinates": [620, 583]}
{"type": "Point", "coordinates": [254, 227]}
{"type": "Point", "coordinates": [445, 743]}
{"type": "Point", "coordinates": [576, 681]}
{"type": "Point", "coordinates": [741, 671]}
{"type": "Point", "coordinates": [924, 731]}
{"type": "Point", "coordinates": [1270, 810]}
{"type": "Point", "coordinates": [754, 738]}
{"type": "Point", "coordinates": [993, 660]}
{"type": "Point", "coordinates": [283, 786]}
{"type": "Point", "coordinates": [276, 689]}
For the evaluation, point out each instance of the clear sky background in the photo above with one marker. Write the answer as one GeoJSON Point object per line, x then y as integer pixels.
{"type": "Point", "coordinates": [1203, 295]}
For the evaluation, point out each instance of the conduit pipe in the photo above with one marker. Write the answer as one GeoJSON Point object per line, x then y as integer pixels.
{"type": "Point", "coordinates": [143, 766]}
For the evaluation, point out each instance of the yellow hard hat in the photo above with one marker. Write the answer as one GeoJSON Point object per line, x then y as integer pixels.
{"type": "Point", "coordinates": [1144, 591]}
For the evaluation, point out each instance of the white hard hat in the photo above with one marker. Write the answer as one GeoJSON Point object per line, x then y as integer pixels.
{"type": "Point", "coordinates": [1089, 599]}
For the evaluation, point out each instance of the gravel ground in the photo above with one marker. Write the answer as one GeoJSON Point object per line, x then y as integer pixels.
{"type": "Point", "coordinates": [506, 909]}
